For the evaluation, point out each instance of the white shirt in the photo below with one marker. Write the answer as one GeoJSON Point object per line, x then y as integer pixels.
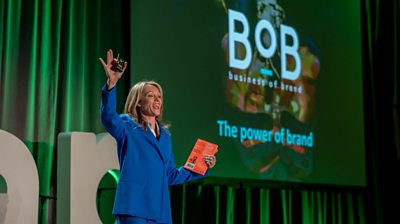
{"type": "Point", "coordinates": [152, 130]}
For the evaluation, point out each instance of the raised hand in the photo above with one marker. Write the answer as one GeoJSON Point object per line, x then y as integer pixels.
{"type": "Point", "coordinates": [113, 76]}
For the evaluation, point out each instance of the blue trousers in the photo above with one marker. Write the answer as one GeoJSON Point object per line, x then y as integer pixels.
{"type": "Point", "coordinates": [126, 219]}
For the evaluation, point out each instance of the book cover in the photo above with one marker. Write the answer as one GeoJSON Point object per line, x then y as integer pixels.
{"type": "Point", "coordinates": [195, 161]}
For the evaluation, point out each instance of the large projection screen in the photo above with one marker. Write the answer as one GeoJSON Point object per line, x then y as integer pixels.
{"type": "Point", "coordinates": [276, 84]}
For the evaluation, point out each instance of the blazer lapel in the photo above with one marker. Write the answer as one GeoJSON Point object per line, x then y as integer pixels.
{"type": "Point", "coordinates": [158, 145]}
{"type": "Point", "coordinates": [162, 144]}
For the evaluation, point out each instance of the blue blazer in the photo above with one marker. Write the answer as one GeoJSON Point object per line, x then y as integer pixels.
{"type": "Point", "coordinates": [147, 165]}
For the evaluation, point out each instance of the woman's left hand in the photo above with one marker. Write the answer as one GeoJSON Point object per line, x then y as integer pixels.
{"type": "Point", "coordinates": [210, 161]}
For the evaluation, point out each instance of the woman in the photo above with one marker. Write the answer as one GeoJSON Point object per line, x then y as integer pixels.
{"type": "Point", "coordinates": [145, 155]}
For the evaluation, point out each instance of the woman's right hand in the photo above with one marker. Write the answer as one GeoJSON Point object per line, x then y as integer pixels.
{"type": "Point", "coordinates": [113, 76]}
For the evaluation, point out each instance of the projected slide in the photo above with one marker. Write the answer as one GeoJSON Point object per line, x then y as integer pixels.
{"type": "Point", "coordinates": [276, 84]}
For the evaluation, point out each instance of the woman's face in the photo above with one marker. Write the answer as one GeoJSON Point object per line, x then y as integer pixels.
{"type": "Point", "coordinates": [151, 101]}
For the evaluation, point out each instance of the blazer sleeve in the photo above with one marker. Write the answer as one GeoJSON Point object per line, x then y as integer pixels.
{"type": "Point", "coordinates": [180, 175]}
{"type": "Point", "coordinates": [112, 122]}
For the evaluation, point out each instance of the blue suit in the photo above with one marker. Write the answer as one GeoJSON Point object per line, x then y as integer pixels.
{"type": "Point", "coordinates": [147, 165]}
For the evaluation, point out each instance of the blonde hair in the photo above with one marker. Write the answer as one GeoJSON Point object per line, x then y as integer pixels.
{"type": "Point", "coordinates": [132, 101]}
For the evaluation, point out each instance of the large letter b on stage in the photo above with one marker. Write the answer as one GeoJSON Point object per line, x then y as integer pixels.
{"type": "Point", "coordinates": [83, 159]}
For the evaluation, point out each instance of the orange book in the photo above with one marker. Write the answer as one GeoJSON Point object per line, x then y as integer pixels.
{"type": "Point", "coordinates": [196, 162]}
